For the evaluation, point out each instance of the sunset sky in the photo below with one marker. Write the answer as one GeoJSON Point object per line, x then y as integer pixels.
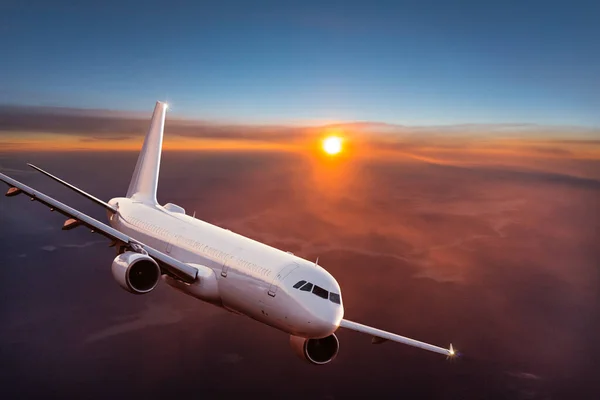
{"type": "Point", "coordinates": [413, 63]}
{"type": "Point", "coordinates": [462, 207]}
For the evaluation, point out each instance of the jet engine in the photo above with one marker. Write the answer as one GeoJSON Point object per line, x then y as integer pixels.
{"type": "Point", "coordinates": [316, 351]}
{"type": "Point", "coordinates": [135, 272]}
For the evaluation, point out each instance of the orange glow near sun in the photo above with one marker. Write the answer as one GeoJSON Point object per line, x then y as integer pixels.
{"type": "Point", "coordinates": [332, 145]}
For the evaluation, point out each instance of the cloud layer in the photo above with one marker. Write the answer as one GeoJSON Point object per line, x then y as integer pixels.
{"type": "Point", "coordinates": [488, 241]}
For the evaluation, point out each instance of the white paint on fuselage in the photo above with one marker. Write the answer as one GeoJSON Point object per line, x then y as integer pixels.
{"type": "Point", "coordinates": [248, 277]}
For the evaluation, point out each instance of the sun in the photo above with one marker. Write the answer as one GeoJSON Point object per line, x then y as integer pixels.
{"type": "Point", "coordinates": [332, 145]}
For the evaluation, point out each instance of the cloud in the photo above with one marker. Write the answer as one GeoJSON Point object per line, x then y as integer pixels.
{"type": "Point", "coordinates": [525, 375]}
{"type": "Point", "coordinates": [94, 125]}
{"type": "Point", "coordinates": [433, 220]}
{"type": "Point", "coordinates": [16, 171]}
{"type": "Point", "coordinates": [88, 129]}
{"type": "Point", "coordinates": [528, 176]}
{"type": "Point", "coordinates": [551, 150]}
{"type": "Point", "coordinates": [83, 245]}
{"type": "Point", "coordinates": [113, 138]}
{"type": "Point", "coordinates": [153, 315]}
{"type": "Point", "coordinates": [231, 358]}
{"type": "Point", "coordinates": [50, 248]}
{"type": "Point", "coordinates": [504, 265]}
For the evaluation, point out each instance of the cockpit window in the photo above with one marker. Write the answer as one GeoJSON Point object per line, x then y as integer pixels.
{"type": "Point", "coordinates": [297, 285]}
{"type": "Point", "coordinates": [319, 291]}
{"type": "Point", "coordinates": [334, 297]}
{"type": "Point", "coordinates": [307, 288]}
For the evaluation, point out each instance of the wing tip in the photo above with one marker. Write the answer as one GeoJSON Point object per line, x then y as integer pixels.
{"type": "Point", "coordinates": [453, 353]}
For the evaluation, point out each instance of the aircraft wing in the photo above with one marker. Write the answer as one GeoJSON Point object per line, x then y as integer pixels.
{"type": "Point", "coordinates": [167, 264]}
{"type": "Point", "coordinates": [380, 336]}
{"type": "Point", "coordinates": [76, 189]}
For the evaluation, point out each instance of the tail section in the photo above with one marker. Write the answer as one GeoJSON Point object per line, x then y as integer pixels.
{"type": "Point", "coordinates": [144, 181]}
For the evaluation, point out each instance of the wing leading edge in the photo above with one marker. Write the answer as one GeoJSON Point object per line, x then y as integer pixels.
{"type": "Point", "coordinates": [170, 265]}
{"type": "Point", "coordinates": [76, 189]}
{"type": "Point", "coordinates": [380, 336]}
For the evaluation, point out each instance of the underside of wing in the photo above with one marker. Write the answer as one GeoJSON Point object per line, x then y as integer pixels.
{"type": "Point", "coordinates": [380, 336]}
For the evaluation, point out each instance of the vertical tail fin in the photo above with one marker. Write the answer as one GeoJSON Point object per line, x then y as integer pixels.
{"type": "Point", "coordinates": [145, 176]}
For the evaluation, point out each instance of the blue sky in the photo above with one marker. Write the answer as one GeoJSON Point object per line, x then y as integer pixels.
{"type": "Point", "coordinates": [416, 63]}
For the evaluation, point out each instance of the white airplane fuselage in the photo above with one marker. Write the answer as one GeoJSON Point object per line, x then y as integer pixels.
{"type": "Point", "coordinates": [248, 277]}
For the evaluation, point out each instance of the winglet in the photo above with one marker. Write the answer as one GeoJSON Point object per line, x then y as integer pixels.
{"type": "Point", "coordinates": [144, 181]}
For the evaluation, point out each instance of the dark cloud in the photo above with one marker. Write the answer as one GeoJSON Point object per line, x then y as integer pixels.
{"type": "Point", "coordinates": [105, 124]}
{"type": "Point", "coordinates": [552, 151]}
{"type": "Point", "coordinates": [525, 176]}
{"type": "Point", "coordinates": [100, 124]}
{"type": "Point", "coordinates": [93, 138]}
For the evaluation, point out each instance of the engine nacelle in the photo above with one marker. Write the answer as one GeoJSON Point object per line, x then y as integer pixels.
{"type": "Point", "coordinates": [316, 351]}
{"type": "Point", "coordinates": [135, 272]}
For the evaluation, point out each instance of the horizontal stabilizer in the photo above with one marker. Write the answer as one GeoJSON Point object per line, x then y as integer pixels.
{"type": "Point", "coordinates": [76, 189]}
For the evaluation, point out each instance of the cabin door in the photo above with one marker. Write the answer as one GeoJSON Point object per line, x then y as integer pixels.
{"type": "Point", "coordinates": [170, 242]}
{"type": "Point", "coordinates": [280, 277]}
{"type": "Point", "coordinates": [226, 266]}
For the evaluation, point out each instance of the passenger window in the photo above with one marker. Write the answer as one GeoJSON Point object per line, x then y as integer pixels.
{"type": "Point", "coordinates": [319, 291]}
{"type": "Point", "coordinates": [307, 288]}
{"type": "Point", "coordinates": [334, 297]}
{"type": "Point", "coordinates": [297, 285]}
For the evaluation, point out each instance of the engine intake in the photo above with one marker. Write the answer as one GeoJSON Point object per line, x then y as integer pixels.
{"type": "Point", "coordinates": [316, 351]}
{"type": "Point", "coordinates": [135, 272]}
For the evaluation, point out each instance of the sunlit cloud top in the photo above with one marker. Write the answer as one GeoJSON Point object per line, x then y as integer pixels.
{"type": "Point", "coordinates": [30, 129]}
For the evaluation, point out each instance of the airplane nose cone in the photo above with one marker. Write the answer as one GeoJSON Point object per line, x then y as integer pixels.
{"type": "Point", "coordinates": [319, 310]}
{"type": "Point", "coordinates": [327, 319]}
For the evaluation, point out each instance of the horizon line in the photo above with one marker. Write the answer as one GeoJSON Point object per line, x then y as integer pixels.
{"type": "Point", "coordinates": [317, 123]}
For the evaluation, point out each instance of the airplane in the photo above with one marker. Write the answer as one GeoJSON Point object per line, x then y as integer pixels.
{"type": "Point", "coordinates": [212, 264]}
